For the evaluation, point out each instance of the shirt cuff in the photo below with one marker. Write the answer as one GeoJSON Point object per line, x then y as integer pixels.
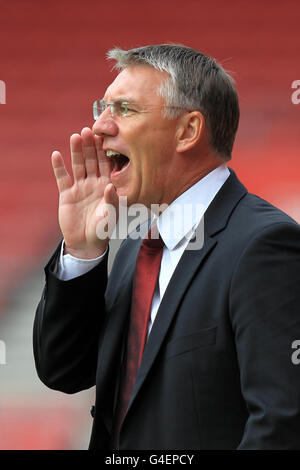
{"type": "Point", "coordinates": [68, 267]}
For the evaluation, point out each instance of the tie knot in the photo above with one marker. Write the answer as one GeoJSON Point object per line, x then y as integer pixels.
{"type": "Point", "coordinates": [153, 239]}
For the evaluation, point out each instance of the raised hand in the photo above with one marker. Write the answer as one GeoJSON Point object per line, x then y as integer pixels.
{"type": "Point", "coordinates": [83, 200]}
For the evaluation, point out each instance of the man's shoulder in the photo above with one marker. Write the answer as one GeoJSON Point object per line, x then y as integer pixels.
{"type": "Point", "coordinates": [251, 207]}
{"type": "Point", "coordinates": [256, 222]}
{"type": "Point", "coordinates": [255, 211]}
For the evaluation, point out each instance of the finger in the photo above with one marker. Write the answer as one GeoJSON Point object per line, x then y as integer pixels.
{"type": "Point", "coordinates": [111, 196]}
{"type": "Point", "coordinates": [90, 153]}
{"type": "Point", "coordinates": [62, 177]}
{"type": "Point", "coordinates": [105, 164]}
{"type": "Point", "coordinates": [77, 158]}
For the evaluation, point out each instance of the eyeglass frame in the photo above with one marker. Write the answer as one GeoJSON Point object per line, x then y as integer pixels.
{"type": "Point", "coordinates": [102, 105]}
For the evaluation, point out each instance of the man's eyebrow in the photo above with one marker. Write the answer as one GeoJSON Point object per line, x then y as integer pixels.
{"type": "Point", "coordinates": [124, 98]}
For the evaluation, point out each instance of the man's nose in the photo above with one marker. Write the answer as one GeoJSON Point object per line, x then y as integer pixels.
{"type": "Point", "coordinates": [105, 125]}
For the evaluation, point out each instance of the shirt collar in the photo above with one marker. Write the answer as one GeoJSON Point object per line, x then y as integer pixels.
{"type": "Point", "coordinates": [183, 215]}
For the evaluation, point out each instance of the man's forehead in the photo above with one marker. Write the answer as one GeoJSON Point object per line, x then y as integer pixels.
{"type": "Point", "coordinates": [135, 82]}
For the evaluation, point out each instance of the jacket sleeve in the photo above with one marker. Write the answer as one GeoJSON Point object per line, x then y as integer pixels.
{"type": "Point", "coordinates": [265, 310]}
{"type": "Point", "coordinates": [67, 327]}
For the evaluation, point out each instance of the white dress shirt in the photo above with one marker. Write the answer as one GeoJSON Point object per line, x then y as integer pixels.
{"type": "Point", "coordinates": [174, 229]}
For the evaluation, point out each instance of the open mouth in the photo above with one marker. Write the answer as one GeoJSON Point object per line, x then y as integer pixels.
{"type": "Point", "coordinates": [119, 161]}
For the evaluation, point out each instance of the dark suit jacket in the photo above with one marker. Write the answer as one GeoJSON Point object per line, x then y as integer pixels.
{"type": "Point", "coordinates": [216, 371]}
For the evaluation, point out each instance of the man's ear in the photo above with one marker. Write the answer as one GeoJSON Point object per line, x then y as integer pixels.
{"type": "Point", "coordinates": [190, 130]}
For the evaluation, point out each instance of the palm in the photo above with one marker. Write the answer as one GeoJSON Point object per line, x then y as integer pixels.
{"type": "Point", "coordinates": [82, 202]}
{"type": "Point", "coordinates": [77, 210]}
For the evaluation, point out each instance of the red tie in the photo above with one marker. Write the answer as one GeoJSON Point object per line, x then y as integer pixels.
{"type": "Point", "coordinates": [145, 279]}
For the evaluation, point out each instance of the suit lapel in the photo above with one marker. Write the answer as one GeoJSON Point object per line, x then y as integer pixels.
{"type": "Point", "coordinates": [110, 352]}
{"type": "Point", "coordinates": [215, 220]}
{"type": "Point", "coordinates": [168, 308]}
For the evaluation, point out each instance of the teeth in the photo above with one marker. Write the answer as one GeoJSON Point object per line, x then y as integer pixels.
{"type": "Point", "coordinates": [112, 153]}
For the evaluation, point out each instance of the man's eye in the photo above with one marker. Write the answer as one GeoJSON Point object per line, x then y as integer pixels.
{"type": "Point", "coordinates": [123, 109]}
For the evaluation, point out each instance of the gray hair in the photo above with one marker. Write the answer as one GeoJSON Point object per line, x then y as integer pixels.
{"type": "Point", "coordinates": [196, 82]}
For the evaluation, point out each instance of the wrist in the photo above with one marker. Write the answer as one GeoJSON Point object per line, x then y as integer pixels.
{"type": "Point", "coordinates": [84, 253]}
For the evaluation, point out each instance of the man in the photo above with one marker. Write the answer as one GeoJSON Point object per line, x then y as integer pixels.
{"type": "Point", "coordinates": [215, 370]}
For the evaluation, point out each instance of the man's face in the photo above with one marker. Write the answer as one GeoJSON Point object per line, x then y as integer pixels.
{"type": "Point", "coordinates": [144, 136]}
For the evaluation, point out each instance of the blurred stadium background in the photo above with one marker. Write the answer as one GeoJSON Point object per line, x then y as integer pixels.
{"type": "Point", "coordinates": [52, 60]}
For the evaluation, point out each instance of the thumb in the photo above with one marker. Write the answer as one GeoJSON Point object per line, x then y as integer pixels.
{"type": "Point", "coordinates": [111, 197]}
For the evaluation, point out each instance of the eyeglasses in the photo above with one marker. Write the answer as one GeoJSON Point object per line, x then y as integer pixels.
{"type": "Point", "coordinates": [122, 108]}
{"type": "Point", "coordinates": [118, 107]}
